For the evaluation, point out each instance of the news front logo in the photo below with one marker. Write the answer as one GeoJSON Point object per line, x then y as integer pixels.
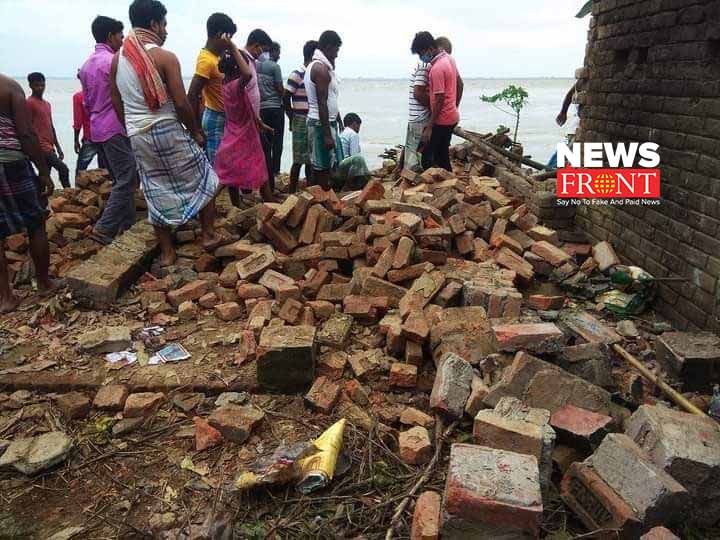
{"type": "Point", "coordinates": [632, 173]}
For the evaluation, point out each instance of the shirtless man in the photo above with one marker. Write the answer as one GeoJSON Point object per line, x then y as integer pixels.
{"type": "Point", "coordinates": [21, 190]}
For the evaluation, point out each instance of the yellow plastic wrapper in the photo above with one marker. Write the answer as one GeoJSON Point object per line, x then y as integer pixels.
{"type": "Point", "coordinates": [318, 469]}
{"type": "Point", "coordinates": [312, 465]}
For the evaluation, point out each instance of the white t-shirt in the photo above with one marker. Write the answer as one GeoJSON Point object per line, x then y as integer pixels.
{"type": "Point", "coordinates": [350, 142]}
{"type": "Point", "coordinates": [419, 112]}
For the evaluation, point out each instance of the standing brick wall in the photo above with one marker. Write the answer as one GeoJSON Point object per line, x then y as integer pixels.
{"type": "Point", "coordinates": [653, 69]}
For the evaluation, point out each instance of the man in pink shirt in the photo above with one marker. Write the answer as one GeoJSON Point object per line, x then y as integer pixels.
{"type": "Point", "coordinates": [108, 132]}
{"type": "Point", "coordinates": [443, 97]}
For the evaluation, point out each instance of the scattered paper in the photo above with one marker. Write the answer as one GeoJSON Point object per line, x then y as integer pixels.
{"type": "Point", "coordinates": [122, 358]}
{"type": "Point", "coordinates": [171, 353]}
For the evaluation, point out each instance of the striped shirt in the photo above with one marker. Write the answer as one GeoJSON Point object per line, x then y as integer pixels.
{"type": "Point", "coordinates": [295, 86]}
{"type": "Point", "coordinates": [418, 112]}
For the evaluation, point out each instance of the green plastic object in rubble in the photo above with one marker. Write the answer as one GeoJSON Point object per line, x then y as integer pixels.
{"type": "Point", "coordinates": [634, 290]}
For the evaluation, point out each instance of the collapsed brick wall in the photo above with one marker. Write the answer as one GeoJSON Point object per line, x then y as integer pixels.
{"type": "Point", "coordinates": [653, 71]}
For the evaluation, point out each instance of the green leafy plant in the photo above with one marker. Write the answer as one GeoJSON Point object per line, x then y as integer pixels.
{"type": "Point", "coordinates": [515, 97]}
{"type": "Point", "coordinates": [585, 10]}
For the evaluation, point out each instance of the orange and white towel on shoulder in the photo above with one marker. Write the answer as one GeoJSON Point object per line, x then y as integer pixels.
{"type": "Point", "coordinates": [134, 49]}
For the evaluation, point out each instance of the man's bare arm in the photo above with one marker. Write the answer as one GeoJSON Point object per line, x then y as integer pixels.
{"type": "Point", "coordinates": [421, 94]}
{"type": "Point", "coordinates": [287, 105]}
{"type": "Point", "coordinates": [197, 84]}
{"type": "Point", "coordinates": [169, 68]}
{"type": "Point", "coordinates": [562, 117]}
{"type": "Point", "coordinates": [460, 90]}
{"type": "Point", "coordinates": [115, 96]}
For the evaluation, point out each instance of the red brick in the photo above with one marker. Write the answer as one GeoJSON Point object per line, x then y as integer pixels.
{"type": "Point", "coordinates": [279, 236]}
{"type": "Point", "coordinates": [415, 328]}
{"type": "Point", "coordinates": [426, 518]}
{"type": "Point", "coordinates": [546, 303]}
{"type": "Point", "coordinates": [192, 291]}
{"type": "Point", "coordinates": [403, 253]}
{"type": "Point", "coordinates": [308, 317]}
{"type": "Point", "coordinates": [229, 276]}
{"type": "Point", "coordinates": [498, 230]}
{"type": "Point", "coordinates": [414, 417]}
{"type": "Point", "coordinates": [481, 251]}
{"type": "Point", "coordinates": [535, 337]}
{"type": "Point", "coordinates": [73, 405]}
{"type": "Point", "coordinates": [605, 255]}
{"type": "Point", "coordinates": [321, 308]}
{"type": "Point", "coordinates": [504, 497]}
{"type": "Point", "coordinates": [512, 261]}
{"type": "Point", "coordinates": [206, 436]}
{"type": "Point", "coordinates": [313, 286]}
{"type": "Point", "coordinates": [251, 290]}
{"type": "Point", "coordinates": [284, 210]}
{"type": "Point", "coordinates": [583, 250]}
{"type": "Point", "coordinates": [228, 311]}
{"type": "Point", "coordinates": [357, 392]}
{"type": "Point", "coordinates": [403, 375]}
{"type": "Point", "coordinates": [142, 404]}
{"type": "Point", "coordinates": [236, 423]}
{"type": "Point", "coordinates": [209, 300]}
{"type": "Point", "coordinates": [300, 209]}
{"type": "Point", "coordinates": [111, 397]}
{"type": "Point", "coordinates": [540, 233]}
{"type": "Point", "coordinates": [384, 263]}
{"type": "Point", "coordinates": [332, 365]}
{"type": "Point", "coordinates": [291, 311]}
{"type": "Point", "coordinates": [465, 243]}
{"type": "Point", "coordinates": [410, 272]}
{"type": "Point", "coordinates": [373, 190]}
{"type": "Point", "coordinates": [415, 446]}
{"type": "Point", "coordinates": [307, 234]}
{"type": "Point", "coordinates": [323, 395]}
{"type": "Point", "coordinates": [187, 310]}
{"type": "Point", "coordinates": [596, 504]}
{"type": "Point", "coordinates": [552, 254]}
{"type": "Point", "coordinates": [206, 263]}
{"type": "Point", "coordinates": [573, 424]}
{"type": "Point", "coordinates": [360, 307]}
{"type": "Point", "coordinates": [413, 353]}
{"type": "Point", "coordinates": [252, 266]}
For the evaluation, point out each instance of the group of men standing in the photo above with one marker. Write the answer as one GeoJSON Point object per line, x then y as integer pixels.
{"type": "Point", "coordinates": [227, 130]}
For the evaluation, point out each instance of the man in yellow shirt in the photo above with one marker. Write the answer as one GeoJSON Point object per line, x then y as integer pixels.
{"type": "Point", "coordinates": [206, 84]}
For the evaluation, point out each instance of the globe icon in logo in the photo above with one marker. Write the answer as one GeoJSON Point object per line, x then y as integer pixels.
{"type": "Point", "coordinates": [604, 183]}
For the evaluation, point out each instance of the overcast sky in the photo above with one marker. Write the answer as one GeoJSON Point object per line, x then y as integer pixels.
{"type": "Point", "coordinates": [519, 38]}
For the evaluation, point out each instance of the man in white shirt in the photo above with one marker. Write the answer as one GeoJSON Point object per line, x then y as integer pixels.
{"type": "Point", "coordinates": [352, 170]}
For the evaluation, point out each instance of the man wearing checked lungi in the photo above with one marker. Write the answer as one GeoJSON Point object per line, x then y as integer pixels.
{"type": "Point", "coordinates": [148, 93]}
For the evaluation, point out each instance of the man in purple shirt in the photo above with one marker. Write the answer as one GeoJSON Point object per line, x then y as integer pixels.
{"type": "Point", "coordinates": [108, 132]}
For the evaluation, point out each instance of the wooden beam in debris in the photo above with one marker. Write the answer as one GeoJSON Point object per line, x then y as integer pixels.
{"type": "Point", "coordinates": [478, 140]}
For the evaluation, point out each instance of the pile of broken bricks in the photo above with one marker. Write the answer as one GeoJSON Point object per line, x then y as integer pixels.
{"type": "Point", "coordinates": [406, 307]}
{"type": "Point", "coordinates": [72, 212]}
